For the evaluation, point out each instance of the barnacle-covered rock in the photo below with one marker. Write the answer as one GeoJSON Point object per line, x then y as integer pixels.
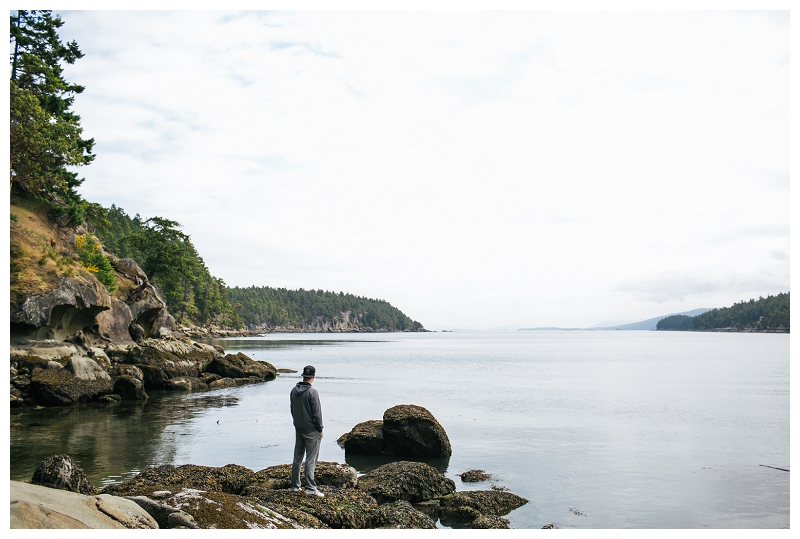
{"type": "Point", "coordinates": [340, 508]}
{"type": "Point", "coordinates": [474, 476]}
{"type": "Point", "coordinates": [366, 438]}
{"type": "Point", "coordinates": [401, 515]}
{"type": "Point", "coordinates": [489, 502]}
{"type": "Point", "coordinates": [220, 510]}
{"type": "Point", "coordinates": [403, 480]}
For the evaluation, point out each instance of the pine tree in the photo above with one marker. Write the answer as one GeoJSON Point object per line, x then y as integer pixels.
{"type": "Point", "coordinates": [46, 136]}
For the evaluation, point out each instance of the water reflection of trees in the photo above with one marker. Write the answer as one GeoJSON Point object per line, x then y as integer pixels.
{"type": "Point", "coordinates": [110, 442]}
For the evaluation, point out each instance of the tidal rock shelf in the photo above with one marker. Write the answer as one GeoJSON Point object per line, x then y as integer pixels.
{"type": "Point", "coordinates": [401, 494]}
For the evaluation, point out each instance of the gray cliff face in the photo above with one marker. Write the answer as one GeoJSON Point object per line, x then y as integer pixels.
{"type": "Point", "coordinates": [85, 306]}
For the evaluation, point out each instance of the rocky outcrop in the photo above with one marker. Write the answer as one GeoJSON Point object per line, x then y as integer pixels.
{"type": "Point", "coordinates": [406, 430]}
{"type": "Point", "coordinates": [52, 373]}
{"type": "Point", "coordinates": [71, 306]}
{"type": "Point", "coordinates": [241, 366]}
{"type": "Point", "coordinates": [169, 358]}
{"type": "Point", "coordinates": [409, 481]}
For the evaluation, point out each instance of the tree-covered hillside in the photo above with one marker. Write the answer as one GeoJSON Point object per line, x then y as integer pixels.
{"type": "Point", "coordinates": [274, 307]}
{"type": "Point", "coordinates": [171, 263]}
{"type": "Point", "coordinates": [771, 312]}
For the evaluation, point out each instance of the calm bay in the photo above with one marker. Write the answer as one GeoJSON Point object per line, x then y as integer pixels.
{"type": "Point", "coordinates": [598, 429]}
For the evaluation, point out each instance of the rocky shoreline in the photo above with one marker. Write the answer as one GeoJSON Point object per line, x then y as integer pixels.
{"type": "Point", "coordinates": [54, 373]}
{"type": "Point", "coordinates": [402, 494]}
{"type": "Point", "coordinates": [213, 332]}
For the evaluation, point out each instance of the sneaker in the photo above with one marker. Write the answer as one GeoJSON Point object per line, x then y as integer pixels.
{"type": "Point", "coordinates": [314, 492]}
{"type": "Point", "coordinates": [296, 489]}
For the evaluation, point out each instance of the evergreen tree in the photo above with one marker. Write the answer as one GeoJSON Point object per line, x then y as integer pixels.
{"type": "Point", "coordinates": [45, 136]}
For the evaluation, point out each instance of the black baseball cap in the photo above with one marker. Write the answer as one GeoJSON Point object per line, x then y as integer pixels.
{"type": "Point", "coordinates": [309, 371]}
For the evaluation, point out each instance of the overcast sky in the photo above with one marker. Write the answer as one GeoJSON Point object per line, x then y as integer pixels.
{"type": "Point", "coordinates": [474, 169]}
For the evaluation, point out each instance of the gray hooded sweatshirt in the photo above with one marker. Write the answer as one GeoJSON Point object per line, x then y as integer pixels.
{"type": "Point", "coordinates": [305, 407]}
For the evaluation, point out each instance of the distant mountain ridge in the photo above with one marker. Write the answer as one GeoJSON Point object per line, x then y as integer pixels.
{"type": "Point", "coordinates": [644, 325]}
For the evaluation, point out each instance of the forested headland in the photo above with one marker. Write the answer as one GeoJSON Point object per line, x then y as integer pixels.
{"type": "Point", "coordinates": [764, 314]}
{"type": "Point", "coordinates": [47, 142]}
{"type": "Point", "coordinates": [194, 296]}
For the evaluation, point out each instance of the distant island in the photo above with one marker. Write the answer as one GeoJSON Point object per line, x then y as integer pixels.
{"type": "Point", "coordinates": [770, 314]}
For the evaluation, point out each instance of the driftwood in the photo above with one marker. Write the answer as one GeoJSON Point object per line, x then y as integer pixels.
{"type": "Point", "coordinates": [774, 468]}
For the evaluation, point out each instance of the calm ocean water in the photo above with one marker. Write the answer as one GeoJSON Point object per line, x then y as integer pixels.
{"type": "Point", "coordinates": [624, 429]}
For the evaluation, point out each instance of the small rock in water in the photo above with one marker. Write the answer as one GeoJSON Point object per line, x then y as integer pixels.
{"type": "Point", "coordinates": [474, 476]}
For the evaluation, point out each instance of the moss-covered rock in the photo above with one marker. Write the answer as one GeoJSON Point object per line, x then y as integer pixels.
{"type": "Point", "coordinates": [487, 502]}
{"type": "Point", "coordinates": [340, 508]}
{"type": "Point", "coordinates": [60, 387]}
{"type": "Point", "coordinates": [332, 474]}
{"type": "Point", "coordinates": [366, 438]}
{"type": "Point", "coordinates": [230, 479]}
{"type": "Point", "coordinates": [412, 431]}
{"type": "Point", "coordinates": [403, 480]}
{"type": "Point", "coordinates": [401, 515]}
{"type": "Point", "coordinates": [474, 476]}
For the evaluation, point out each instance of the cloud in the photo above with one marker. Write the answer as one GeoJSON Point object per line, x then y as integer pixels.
{"type": "Point", "coordinates": [674, 286]}
{"type": "Point", "coordinates": [531, 168]}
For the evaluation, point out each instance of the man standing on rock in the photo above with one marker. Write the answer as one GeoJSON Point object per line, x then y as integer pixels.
{"type": "Point", "coordinates": [307, 417]}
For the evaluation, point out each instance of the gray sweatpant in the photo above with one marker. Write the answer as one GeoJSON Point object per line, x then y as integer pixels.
{"type": "Point", "coordinates": [305, 443]}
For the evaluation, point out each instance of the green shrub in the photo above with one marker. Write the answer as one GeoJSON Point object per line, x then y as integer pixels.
{"type": "Point", "coordinates": [94, 260]}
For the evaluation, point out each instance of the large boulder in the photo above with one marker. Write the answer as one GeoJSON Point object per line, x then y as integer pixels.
{"type": "Point", "coordinates": [240, 366]}
{"type": "Point", "coordinates": [61, 472]}
{"type": "Point", "coordinates": [412, 431]}
{"type": "Point", "coordinates": [332, 474]}
{"type": "Point", "coordinates": [403, 480]}
{"type": "Point", "coordinates": [231, 479]}
{"type": "Point", "coordinates": [129, 388]}
{"type": "Point", "coordinates": [88, 369]}
{"type": "Point", "coordinates": [113, 324]}
{"type": "Point", "coordinates": [366, 438]}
